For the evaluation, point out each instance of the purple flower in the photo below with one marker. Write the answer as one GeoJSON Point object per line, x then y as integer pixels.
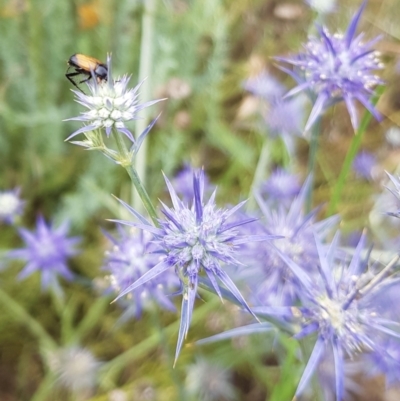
{"type": "Point", "coordinates": [47, 250]}
{"type": "Point", "coordinates": [364, 164]}
{"type": "Point", "coordinates": [284, 117]}
{"type": "Point", "coordinates": [337, 67]}
{"type": "Point", "coordinates": [193, 240]}
{"type": "Point", "coordinates": [11, 205]}
{"type": "Point", "coordinates": [281, 186]}
{"type": "Point", "coordinates": [183, 183]}
{"type": "Point", "coordinates": [265, 86]}
{"type": "Point", "coordinates": [111, 104]}
{"type": "Point", "coordinates": [130, 257]}
{"type": "Point", "coordinates": [275, 282]}
{"type": "Point", "coordinates": [342, 308]}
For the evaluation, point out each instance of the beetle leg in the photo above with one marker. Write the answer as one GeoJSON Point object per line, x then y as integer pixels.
{"type": "Point", "coordinates": [74, 74]}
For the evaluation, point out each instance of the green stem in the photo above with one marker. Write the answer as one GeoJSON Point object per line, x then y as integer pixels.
{"type": "Point", "coordinates": [144, 196]}
{"type": "Point", "coordinates": [22, 316]}
{"type": "Point", "coordinates": [45, 388]}
{"type": "Point", "coordinates": [259, 174]}
{"type": "Point", "coordinates": [145, 71]}
{"type": "Point", "coordinates": [351, 154]}
{"type": "Point", "coordinates": [127, 164]}
{"type": "Point", "coordinates": [312, 156]}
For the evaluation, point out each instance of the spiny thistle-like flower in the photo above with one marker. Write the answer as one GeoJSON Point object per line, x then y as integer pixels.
{"type": "Point", "coordinates": [281, 186]}
{"type": "Point", "coordinates": [264, 85]}
{"type": "Point", "coordinates": [130, 257]}
{"type": "Point", "coordinates": [275, 283]}
{"type": "Point", "coordinates": [11, 205]}
{"type": "Point", "coordinates": [111, 104]}
{"type": "Point", "coordinates": [195, 239]}
{"type": "Point", "coordinates": [76, 369]}
{"type": "Point", "coordinates": [283, 118]}
{"type": "Point", "coordinates": [337, 67]}
{"type": "Point", "coordinates": [47, 250]}
{"type": "Point", "coordinates": [342, 308]}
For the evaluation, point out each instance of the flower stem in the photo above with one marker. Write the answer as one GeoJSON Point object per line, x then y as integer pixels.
{"type": "Point", "coordinates": [351, 154]}
{"type": "Point", "coordinates": [312, 156]}
{"type": "Point", "coordinates": [145, 69]}
{"type": "Point", "coordinates": [22, 316]}
{"type": "Point", "coordinates": [144, 196]}
{"type": "Point", "coordinates": [127, 163]}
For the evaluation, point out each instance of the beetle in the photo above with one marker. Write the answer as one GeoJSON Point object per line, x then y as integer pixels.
{"type": "Point", "coordinates": [88, 66]}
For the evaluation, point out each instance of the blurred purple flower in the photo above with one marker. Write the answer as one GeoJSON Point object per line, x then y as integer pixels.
{"type": "Point", "coordinates": [281, 186]}
{"type": "Point", "coordinates": [265, 86]}
{"type": "Point", "coordinates": [183, 183]}
{"type": "Point", "coordinates": [110, 105]}
{"type": "Point", "coordinates": [11, 205]}
{"type": "Point", "coordinates": [46, 251]}
{"type": "Point", "coordinates": [340, 307]}
{"type": "Point", "coordinates": [284, 117]}
{"type": "Point", "coordinates": [364, 163]}
{"type": "Point", "coordinates": [130, 257]}
{"type": "Point", "coordinates": [192, 240]}
{"type": "Point", "coordinates": [337, 67]}
{"type": "Point", "coordinates": [275, 282]}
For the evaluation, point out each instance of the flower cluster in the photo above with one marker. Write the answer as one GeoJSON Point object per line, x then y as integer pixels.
{"type": "Point", "coordinates": [47, 250]}
{"type": "Point", "coordinates": [337, 67]}
{"type": "Point", "coordinates": [130, 257]}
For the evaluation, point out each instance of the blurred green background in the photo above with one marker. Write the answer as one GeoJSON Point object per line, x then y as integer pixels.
{"type": "Point", "coordinates": [203, 51]}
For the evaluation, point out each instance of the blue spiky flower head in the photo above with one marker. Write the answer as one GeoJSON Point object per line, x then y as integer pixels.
{"type": "Point", "coordinates": [110, 105]}
{"type": "Point", "coordinates": [281, 186]}
{"type": "Point", "coordinates": [341, 308]}
{"type": "Point", "coordinates": [195, 239]}
{"type": "Point", "coordinates": [337, 67]}
{"type": "Point", "coordinates": [275, 283]}
{"type": "Point", "coordinates": [47, 250]}
{"type": "Point", "coordinates": [130, 257]}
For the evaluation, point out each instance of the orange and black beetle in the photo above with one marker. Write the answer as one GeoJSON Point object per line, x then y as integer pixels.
{"type": "Point", "coordinates": [88, 66]}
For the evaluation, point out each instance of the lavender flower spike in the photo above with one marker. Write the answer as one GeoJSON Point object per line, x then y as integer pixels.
{"type": "Point", "coordinates": [337, 67]}
{"type": "Point", "coordinates": [193, 240]}
{"type": "Point", "coordinates": [111, 104]}
{"type": "Point", "coordinates": [343, 308]}
{"type": "Point", "coordinates": [47, 250]}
